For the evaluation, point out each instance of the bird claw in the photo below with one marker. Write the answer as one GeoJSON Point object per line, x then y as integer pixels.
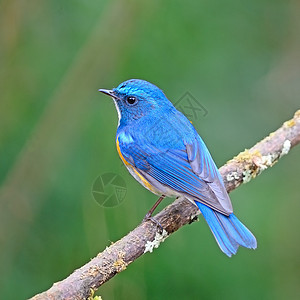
{"type": "Point", "coordinates": [148, 217]}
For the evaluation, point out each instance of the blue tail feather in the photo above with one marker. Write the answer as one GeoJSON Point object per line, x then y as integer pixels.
{"type": "Point", "coordinates": [228, 231]}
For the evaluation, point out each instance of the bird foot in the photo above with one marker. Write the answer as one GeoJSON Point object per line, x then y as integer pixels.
{"type": "Point", "coordinates": [148, 217]}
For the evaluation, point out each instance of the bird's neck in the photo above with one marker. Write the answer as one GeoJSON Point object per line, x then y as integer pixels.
{"type": "Point", "coordinates": [153, 120]}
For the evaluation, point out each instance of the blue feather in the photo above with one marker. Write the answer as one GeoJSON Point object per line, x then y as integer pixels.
{"type": "Point", "coordinates": [161, 145]}
{"type": "Point", "coordinates": [228, 231]}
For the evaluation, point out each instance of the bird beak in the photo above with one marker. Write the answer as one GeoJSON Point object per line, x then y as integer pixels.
{"type": "Point", "coordinates": [108, 92]}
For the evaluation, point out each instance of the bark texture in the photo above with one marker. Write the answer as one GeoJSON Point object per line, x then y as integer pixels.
{"type": "Point", "coordinates": [82, 283]}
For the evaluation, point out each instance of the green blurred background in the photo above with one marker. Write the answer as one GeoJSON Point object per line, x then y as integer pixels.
{"type": "Point", "coordinates": [239, 58]}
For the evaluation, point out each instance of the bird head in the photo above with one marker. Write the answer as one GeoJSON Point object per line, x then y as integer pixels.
{"type": "Point", "coordinates": [136, 98]}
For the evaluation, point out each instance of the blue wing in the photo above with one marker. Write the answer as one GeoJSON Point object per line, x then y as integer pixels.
{"type": "Point", "coordinates": [186, 168]}
{"type": "Point", "coordinates": [181, 162]}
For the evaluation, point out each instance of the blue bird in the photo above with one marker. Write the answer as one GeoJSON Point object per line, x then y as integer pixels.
{"type": "Point", "coordinates": [163, 151]}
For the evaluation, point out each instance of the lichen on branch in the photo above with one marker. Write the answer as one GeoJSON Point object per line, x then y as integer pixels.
{"type": "Point", "coordinates": [82, 283]}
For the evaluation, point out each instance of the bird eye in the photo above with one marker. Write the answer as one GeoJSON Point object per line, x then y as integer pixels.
{"type": "Point", "coordinates": [131, 100]}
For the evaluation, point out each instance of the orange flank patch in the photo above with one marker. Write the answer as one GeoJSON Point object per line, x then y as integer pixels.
{"type": "Point", "coordinates": [128, 165]}
{"type": "Point", "coordinates": [120, 153]}
{"type": "Point", "coordinates": [144, 181]}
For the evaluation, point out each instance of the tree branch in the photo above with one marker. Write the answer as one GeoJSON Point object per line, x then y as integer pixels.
{"type": "Point", "coordinates": [82, 283]}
